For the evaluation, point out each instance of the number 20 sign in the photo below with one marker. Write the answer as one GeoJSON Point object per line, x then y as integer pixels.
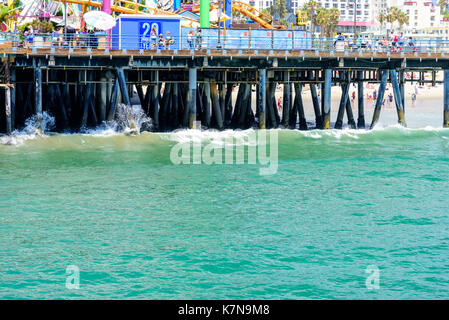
{"type": "Point", "coordinates": [148, 33]}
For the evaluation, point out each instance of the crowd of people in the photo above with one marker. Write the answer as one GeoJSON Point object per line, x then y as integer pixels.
{"type": "Point", "coordinates": [392, 43]}
{"type": "Point", "coordinates": [159, 42]}
{"type": "Point", "coordinates": [61, 38]}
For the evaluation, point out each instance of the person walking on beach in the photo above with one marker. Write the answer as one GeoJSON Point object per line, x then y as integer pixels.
{"type": "Point", "coordinates": [413, 99]}
{"type": "Point", "coordinates": [390, 100]}
{"type": "Point", "coordinates": [279, 105]}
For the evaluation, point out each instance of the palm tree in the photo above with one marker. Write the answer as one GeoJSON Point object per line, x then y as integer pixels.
{"type": "Point", "coordinates": [391, 18]}
{"type": "Point", "coordinates": [443, 5]}
{"type": "Point", "coordinates": [320, 19]}
{"type": "Point", "coordinates": [402, 19]}
{"type": "Point", "coordinates": [311, 7]}
{"type": "Point", "coordinates": [327, 19]}
{"type": "Point", "coordinates": [382, 18]}
{"type": "Point", "coordinates": [332, 21]}
{"type": "Point", "coordinates": [394, 10]}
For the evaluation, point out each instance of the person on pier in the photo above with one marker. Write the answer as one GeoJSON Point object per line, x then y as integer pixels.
{"type": "Point", "coordinates": [161, 42]}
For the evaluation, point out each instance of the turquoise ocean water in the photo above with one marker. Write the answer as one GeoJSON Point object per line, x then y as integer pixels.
{"type": "Point", "coordinates": [140, 227]}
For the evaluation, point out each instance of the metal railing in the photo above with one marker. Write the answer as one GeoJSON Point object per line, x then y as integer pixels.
{"type": "Point", "coordinates": [193, 42]}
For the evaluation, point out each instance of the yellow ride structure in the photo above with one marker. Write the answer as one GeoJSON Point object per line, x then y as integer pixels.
{"type": "Point", "coordinates": [132, 7]}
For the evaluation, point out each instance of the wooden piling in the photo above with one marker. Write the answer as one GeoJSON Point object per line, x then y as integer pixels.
{"type": "Point", "coordinates": [397, 97]}
{"type": "Point", "coordinates": [206, 103]}
{"type": "Point", "coordinates": [316, 107]}
{"type": "Point", "coordinates": [286, 99]}
{"type": "Point", "coordinates": [216, 105]}
{"type": "Point", "coordinates": [12, 91]}
{"type": "Point", "coordinates": [102, 93]}
{"type": "Point", "coordinates": [360, 102]}
{"type": "Point", "coordinates": [327, 98]}
{"type": "Point", "coordinates": [155, 100]}
{"type": "Point", "coordinates": [191, 97]}
{"type": "Point", "coordinates": [37, 88]}
{"type": "Point", "coordinates": [300, 107]}
{"type": "Point", "coordinates": [113, 100]}
{"type": "Point", "coordinates": [123, 86]}
{"type": "Point", "coordinates": [262, 98]}
{"type": "Point", "coordinates": [380, 97]}
{"type": "Point", "coordinates": [8, 98]}
{"type": "Point", "coordinates": [342, 106]}
{"type": "Point", "coordinates": [446, 99]}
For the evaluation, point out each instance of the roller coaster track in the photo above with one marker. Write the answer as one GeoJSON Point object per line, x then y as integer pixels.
{"type": "Point", "coordinates": [119, 7]}
{"type": "Point", "coordinates": [257, 16]}
{"type": "Point", "coordinates": [131, 7]}
{"type": "Point", "coordinates": [264, 20]}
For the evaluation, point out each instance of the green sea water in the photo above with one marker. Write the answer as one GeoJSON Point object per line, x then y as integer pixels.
{"type": "Point", "coordinates": [139, 227]}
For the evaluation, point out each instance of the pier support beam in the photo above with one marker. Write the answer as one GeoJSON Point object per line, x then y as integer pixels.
{"type": "Point", "coordinates": [216, 105]}
{"type": "Point", "coordinates": [380, 97]}
{"type": "Point", "coordinates": [103, 93]}
{"type": "Point", "coordinates": [286, 99]}
{"type": "Point", "coordinates": [113, 100]}
{"type": "Point", "coordinates": [349, 113]}
{"type": "Point", "coordinates": [123, 87]}
{"type": "Point", "coordinates": [262, 99]}
{"type": "Point", "coordinates": [401, 88]}
{"type": "Point", "coordinates": [446, 99]}
{"type": "Point", "coordinates": [38, 88]}
{"type": "Point", "coordinates": [300, 107]}
{"type": "Point", "coordinates": [397, 97]}
{"type": "Point", "coordinates": [343, 101]}
{"type": "Point", "coordinates": [8, 100]}
{"type": "Point", "coordinates": [155, 100]}
{"type": "Point", "coordinates": [327, 98]}
{"type": "Point", "coordinates": [361, 107]}
{"type": "Point", "coordinates": [191, 97]}
{"type": "Point", "coordinates": [206, 103]}
{"type": "Point", "coordinates": [316, 107]}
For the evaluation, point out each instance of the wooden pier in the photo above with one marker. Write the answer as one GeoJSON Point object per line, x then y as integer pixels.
{"type": "Point", "coordinates": [176, 88]}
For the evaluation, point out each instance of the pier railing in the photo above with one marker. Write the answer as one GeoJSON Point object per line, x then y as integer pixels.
{"type": "Point", "coordinates": [100, 41]}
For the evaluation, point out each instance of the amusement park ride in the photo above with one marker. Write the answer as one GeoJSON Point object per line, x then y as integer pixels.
{"type": "Point", "coordinates": [29, 9]}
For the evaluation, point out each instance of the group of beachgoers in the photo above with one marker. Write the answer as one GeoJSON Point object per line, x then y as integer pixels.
{"type": "Point", "coordinates": [392, 43]}
{"type": "Point", "coordinates": [370, 96]}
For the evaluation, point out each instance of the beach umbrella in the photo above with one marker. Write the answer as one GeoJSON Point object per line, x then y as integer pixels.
{"type": "Point", "coordinates": [189, 24]}
{"type": "Point", "coordinates": [99, 20]}
{"type": "Point", "coordinates": [213, 16]}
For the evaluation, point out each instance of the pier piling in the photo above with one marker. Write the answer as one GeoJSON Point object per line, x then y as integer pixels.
{"type": "Point", "coordinates": [327, 98]}
{"type": "Point", "coordinates": [262, 97]}
{"type": "Point", "coordinates": [300, 107]}
{"type": "Point", "coordinates": [316, 107]}
{"type": "Point", "coordinates": [191, 97]}
{"type": "Point", "coordinates": [380, 97]}
{"type": "Point", "coordinates": [286, 99]}
{"type": "Point", "coordinates": [446, 99]}
{"type": "Point", "coordinates": [360, 102]}
{"type": "Point", "coordinates": [397, 97]}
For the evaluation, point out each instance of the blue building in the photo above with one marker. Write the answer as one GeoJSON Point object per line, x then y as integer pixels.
{"type": "Point", "coordinates": [133, 32]}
